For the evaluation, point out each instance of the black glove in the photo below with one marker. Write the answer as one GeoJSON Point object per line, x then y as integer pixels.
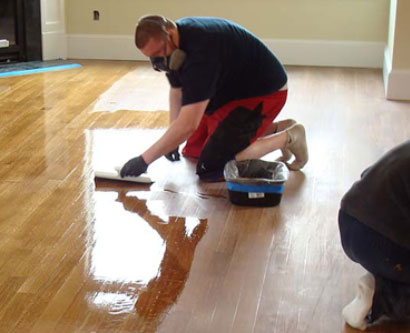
{"type": "Point", "coordinates": [173, 155]}
{"type": "Point", "coordinates": [134, 167]}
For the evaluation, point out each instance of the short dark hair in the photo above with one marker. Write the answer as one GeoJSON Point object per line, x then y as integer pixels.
{"type": "Point", "coordinates": [151, 26]}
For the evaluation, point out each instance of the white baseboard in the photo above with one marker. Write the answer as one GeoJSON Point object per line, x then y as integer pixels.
{"type": "Point", "coordinates": [290, 52]}
{"type": "Point", "coordinates": [386, 67]}
{"type": "Point", "coordinates": [397, 84]}
{"type": "Point", "coordinates": [328, 53]}
{"type": "Point", "coordinates": [107, 47]}
{"type": "Point", "coordinates": [396, 81]}
{"type": "Point", "coordinates": [54, 45]}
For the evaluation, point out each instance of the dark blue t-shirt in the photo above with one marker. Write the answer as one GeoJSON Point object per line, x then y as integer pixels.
{"type": "Point", "coordinates": [224, 62]}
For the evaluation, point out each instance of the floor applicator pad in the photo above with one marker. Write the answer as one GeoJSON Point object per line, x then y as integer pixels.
{"type": "Point", "coordinates": [115, 175]}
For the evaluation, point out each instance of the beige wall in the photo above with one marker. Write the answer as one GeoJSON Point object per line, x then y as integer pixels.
{"type": "Point", "coordinates": [337, 20]}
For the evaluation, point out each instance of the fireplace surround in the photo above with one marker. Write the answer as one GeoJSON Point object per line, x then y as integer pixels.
{"type": "Point", "coordinates": [20, 29]}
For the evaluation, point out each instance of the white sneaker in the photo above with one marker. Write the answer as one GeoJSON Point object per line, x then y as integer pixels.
{"type": "Point", "coordinates": [356, 311]}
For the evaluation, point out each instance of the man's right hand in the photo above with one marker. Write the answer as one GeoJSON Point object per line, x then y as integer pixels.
{"type": "Point", "coordinates": [173, 155]}
{"type": "Point", "coordinates": [134, 167]}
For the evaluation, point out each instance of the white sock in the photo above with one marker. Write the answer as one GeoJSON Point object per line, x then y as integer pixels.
{"type": "Point", "coordinates": [356, 311]}
{"type": "Point", "coordinates": [297, 146]}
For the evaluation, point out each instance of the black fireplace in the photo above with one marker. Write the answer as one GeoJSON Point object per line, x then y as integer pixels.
{"type": "Point", "coordinates": [20, 30]}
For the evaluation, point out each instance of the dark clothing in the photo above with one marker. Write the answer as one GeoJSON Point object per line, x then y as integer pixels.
{"type": "Point", "coordinates": [381, 198]}
{"type": "Point", "coordinates": [229, 130]}
{"type": "Point", "coordinates": [387, 261]}
{"type": "Point", "coordinates": [224, 63]}
{"type": "Point", "coordinates": [375, 252]}
{"type": "Point", "coordinates": [374, 223]}
{"type": "Point", "coordinates": [391, 299]}
{"type": "Point", "coordinates": [229, 138]}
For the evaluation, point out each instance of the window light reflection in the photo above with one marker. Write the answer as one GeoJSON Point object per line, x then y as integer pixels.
{"type": "Point", "coordinates": [126, 248]}
{"type": "Point", "coordinates": [117, 303]}
{"type": "Point", "coordinates": [190, 224]}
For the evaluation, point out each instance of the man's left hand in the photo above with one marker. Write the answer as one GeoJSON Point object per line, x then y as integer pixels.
{"type": "Point", "coordinates": [134, 167]}
{"type": "Point", "coordinates": [173, 155]}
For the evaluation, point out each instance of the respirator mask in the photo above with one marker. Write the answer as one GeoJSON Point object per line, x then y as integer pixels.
{"type": "Point", "coordinates": [171, 63]}
{"type": "Point", "coordinates": [175, 60]}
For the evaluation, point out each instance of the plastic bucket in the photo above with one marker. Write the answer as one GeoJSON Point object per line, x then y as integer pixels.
{"type": "Point", "coordinates": [255, 182]}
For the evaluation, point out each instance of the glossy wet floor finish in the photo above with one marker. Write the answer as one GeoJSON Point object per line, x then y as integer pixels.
{"type": "Point", "coordinates": [85, 255]}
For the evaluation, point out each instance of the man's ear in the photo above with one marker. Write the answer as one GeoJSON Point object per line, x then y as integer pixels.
{"type": "Point", "coordinates": [173, 36]}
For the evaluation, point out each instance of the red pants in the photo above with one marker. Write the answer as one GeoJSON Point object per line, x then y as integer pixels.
{"type": "Point", "coordinates": [230, 129]}
{"type": "Point", "coordinates": [272, 105]}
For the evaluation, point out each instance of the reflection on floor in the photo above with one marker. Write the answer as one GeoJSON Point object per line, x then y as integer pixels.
{"type": "Point", "coordinates": [143, 248]}
{"type": "Point", "coordinates": [143, 236]}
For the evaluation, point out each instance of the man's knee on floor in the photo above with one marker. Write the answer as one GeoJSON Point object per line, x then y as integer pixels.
{"type": "Point", "coordinates": [211, 170]}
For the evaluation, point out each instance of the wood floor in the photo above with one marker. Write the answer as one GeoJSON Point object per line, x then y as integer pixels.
{"type": "Point", "coordinates": [79, 255]}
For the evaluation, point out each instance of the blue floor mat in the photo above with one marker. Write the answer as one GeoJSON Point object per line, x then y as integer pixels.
{"type": "Point", "coordinates": [32, 67]}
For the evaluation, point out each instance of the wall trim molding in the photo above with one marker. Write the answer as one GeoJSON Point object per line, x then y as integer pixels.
{"type": "Point", "coordinates": [396, 81]}
{"type": "Point", "coordinates": [387, 66]}
{"type": "Point", "coordinates": [58, 41]}
{"type": "Point", "coordinates": [53, 31]}
{"type": "Point", "coordinates": [291, 52]}
{"type": "Point", "coordinates": [328, 53]}
{"type": "Point", "coordinates": [105, 47]}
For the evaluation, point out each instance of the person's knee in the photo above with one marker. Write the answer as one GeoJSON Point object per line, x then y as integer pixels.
{"type": "Point", "coordinates": [211, 169]}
